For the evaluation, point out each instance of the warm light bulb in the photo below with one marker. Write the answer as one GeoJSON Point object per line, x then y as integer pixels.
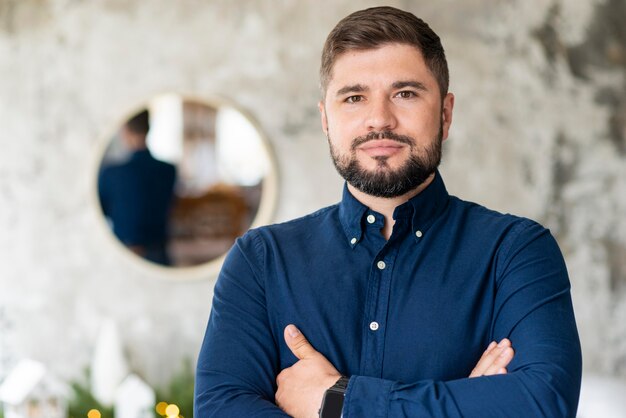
{"type": "Point", "coordinates": [160, 408]}
{"type": "Point", "coordinates": [172, 411]}
{"type": "Point", "coordinates": [94, 413]}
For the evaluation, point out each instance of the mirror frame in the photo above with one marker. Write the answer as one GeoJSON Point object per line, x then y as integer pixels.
{"type": "Point", "coordinates": [210, 269]}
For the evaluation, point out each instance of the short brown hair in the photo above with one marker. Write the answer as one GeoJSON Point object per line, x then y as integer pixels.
{"type": "Point", "coordinates": [372, 28]}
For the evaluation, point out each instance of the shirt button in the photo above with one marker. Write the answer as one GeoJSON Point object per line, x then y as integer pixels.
{"type": "Point", "coordinates": [373, 325]}
{"type": "Point", "coordinates": [418, 234]}
{"type": "Point", "coordinates": [381, 265]}
{"type": "Point", "coordinates": [371, 219]}
{"type": "Point", "coordinates": [353, 241]}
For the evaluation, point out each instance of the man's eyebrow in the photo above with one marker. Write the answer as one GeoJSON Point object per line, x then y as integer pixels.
{"type": "Point", "coordinates": [354, 88]}
{"type": "Point", "coordinates": [415, 84]}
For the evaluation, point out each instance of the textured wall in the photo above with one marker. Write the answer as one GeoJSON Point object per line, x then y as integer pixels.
{"type": "Point", "coordinates": [539, 130]}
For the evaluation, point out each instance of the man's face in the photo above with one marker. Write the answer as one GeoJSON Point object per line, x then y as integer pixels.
{"type": "Point", "coordinates": [384, 119]}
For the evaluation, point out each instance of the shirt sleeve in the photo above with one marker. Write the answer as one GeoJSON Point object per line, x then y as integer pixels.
{"type": "Point", "coordinates": [533, 309]}
{"type": "Point", "coordinates": [238, 361]}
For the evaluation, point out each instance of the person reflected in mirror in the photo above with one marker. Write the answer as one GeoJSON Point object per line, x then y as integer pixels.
{"type": "Point", "coordinates": [137, 195]}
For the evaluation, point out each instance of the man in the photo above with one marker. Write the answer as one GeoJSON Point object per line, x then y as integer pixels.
{"type": "Point", "coordinates": [137, 196]}
{"type": "Point", "coordinates": [381, 305]}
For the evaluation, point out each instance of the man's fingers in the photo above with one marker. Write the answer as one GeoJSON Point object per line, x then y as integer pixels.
{"type": "Point", "coordinates": [490, 347]}
{"type": "Point", "coordinates": [494, 359]}
{"type": "Point", "coordinates": [500, 362]}
{"type": "Point", "coordinates": [297, 343]}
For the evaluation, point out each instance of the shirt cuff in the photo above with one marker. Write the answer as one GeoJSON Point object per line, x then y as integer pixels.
{"type": "Point", "coordinates": [367, 397]}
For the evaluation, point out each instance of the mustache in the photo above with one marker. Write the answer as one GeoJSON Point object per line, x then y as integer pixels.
{"type": "Point", "coordinates": [360, 140]}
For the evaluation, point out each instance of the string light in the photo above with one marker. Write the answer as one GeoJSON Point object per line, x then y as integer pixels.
{"type": "Point", "coordinates": [172, 411]}
{"type": "Point", "coordinates": [94, 413]}
{"type": "Point", "coordinates": [160, 408]}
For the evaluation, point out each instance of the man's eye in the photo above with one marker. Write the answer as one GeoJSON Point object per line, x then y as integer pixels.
{"type": "Point", "coordinates": [406, 94]}
{"type": "Point", "coordinates": [354, 99]}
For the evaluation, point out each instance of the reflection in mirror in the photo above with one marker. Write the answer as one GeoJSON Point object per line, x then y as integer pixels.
{"type": "Point", "coordinates": [182, 179]}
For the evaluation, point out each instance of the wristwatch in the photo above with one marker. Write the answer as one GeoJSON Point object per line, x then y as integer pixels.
{"type": "Point", "coordinates": [332, 403]}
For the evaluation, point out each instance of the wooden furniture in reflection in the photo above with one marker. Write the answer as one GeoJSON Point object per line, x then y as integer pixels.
{"type": "Point", "coordinates": [205, 227]}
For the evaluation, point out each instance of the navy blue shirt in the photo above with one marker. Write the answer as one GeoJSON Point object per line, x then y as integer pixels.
{"type": "Point", "coordinates": [407, 319]}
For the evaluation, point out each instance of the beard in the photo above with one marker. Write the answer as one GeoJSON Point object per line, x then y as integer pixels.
{"type": "Point", "coordinates": [383, 181]}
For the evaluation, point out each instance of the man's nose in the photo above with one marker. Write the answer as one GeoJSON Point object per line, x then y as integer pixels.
{"type": "Point", "coordinates": [381, 116]}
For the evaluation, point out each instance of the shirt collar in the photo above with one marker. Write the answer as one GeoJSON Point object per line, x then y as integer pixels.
{"type": "Point", "coordinates": [351, 212]}
{"type": "Point", "coordinates": [422, 209]}
{"type": "Point", "coordinates": [142, 153]}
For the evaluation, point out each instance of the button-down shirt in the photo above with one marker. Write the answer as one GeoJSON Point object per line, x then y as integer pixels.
{"type": "Point", "coordinates": [406, 318]}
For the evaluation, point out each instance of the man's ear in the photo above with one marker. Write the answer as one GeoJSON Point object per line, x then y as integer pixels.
{"type": "Point", "coordinates": [323, 116]}
{"type": "Point", "coordinates": [446, 114]}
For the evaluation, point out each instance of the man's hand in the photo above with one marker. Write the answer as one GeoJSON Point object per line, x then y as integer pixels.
{"type": "Point", "coordinates": [301, 387]}
{"type": "Point", "coordinates": [495, 359]}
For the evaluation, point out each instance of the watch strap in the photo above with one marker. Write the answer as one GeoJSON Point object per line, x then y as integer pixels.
{"type": "Point", "coordinates": [341, 385]}
{"type": "Point", "coordinates": [332, 402]}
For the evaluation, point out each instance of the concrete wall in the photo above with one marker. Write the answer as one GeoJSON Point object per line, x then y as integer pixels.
{"type": "Point", "coordinates": [539, 130]}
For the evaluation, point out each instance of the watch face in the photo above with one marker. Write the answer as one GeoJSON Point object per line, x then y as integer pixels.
{"type": "Point", "coordinates": [333, 405]}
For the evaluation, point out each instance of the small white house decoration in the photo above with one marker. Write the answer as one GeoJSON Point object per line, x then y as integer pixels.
{"type": "Point", "coordinates": [134, 399]}
{"type": "Point", "coordinates": [29, 391]}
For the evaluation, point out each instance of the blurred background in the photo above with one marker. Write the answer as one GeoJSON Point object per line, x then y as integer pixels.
{"type": "Point", "coordinates": [539, 130]}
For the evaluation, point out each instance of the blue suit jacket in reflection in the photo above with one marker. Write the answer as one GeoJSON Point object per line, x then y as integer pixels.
{"type": "Point", "coordinates": [137, 197]}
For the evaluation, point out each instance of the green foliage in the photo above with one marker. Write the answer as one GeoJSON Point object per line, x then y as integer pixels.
{"type": "Point", "coordinates": [179, 391]}
{"type": "Point", "coordinates": [82, 401]}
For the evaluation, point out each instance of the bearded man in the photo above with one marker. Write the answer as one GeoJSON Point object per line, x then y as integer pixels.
{"type": "Point", "coordinates": [411, 300]}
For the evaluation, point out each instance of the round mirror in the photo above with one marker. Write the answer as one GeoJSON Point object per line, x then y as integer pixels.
{"type": "Point", "coordinates": [181, 178]}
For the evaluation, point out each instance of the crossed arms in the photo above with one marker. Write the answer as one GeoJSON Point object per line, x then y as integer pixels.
{"type": "Point", "coordinates": [241, 358]}
{"type": "Point", "coordinates": [301, 386]}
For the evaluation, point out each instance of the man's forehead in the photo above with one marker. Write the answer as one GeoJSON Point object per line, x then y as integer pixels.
{"type": "Point", "coordinates": [392, 63]}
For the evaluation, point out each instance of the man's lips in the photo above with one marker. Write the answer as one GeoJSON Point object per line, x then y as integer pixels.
{"type": "Point", "coordinates": [381, 143]}
{"type": "Point", "coordinates": [381, 147]}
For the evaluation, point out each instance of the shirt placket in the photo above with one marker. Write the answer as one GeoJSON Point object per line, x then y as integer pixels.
{"type": "Point", "coordinates": [377, 307]}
